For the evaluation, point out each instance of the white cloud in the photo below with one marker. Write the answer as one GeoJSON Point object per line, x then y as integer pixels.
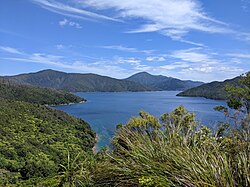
{"type": "Point", "coordinates": [66, 22]}
{"type": "Point", "coordinates": [60, 46]}
{"type": "Point", "coordinates": [193, 63]}
{"type": "Point", "coordinates": [122, 60]}
{"type": "Point", "coordinates": [75, 65]}
{"type": "Point", "coordinates": [155, 59]}
{"type": "Point", "coordinates": [177, 65]}
{"type": "Point", "coordinates": [194, 55]}
{"type": "Point", "coordinates": [240, 55]}
{"type": "Point", "coordinates": [126, 49]}
{"type": "Point", "coordinates": [70, 11]}
{"type": "Point", "coordinates": [10, 50]}
{"type": "Point", "coordinates": [243, 36]}
{"type": "Point", "coordinates": [174, 18]}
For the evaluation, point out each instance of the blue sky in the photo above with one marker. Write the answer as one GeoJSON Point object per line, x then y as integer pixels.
{"type": "Point", "coordinates": [187, 39]}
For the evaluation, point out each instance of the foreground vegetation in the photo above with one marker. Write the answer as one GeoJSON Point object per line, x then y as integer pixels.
{"type": "Point", "coordinates": [171, 151]}
{"type": "Point", "coordinates": [175, 153]}
{"type": "Point", "coordinates": [36, 139]}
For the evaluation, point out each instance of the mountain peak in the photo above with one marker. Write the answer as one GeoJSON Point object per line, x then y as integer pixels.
{"type": "Point", "coordinates": [49, 71]}
{"type": "Point", "coordinates": [160, 82]}
{"type": "Point", "coordinates": [142, 73]}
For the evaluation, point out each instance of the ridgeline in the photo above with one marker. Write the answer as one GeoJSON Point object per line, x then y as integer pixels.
{"type": "Point", "coordinates": [213, 90]}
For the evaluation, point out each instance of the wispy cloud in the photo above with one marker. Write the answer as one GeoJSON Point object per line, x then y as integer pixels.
{"type": "Point", "coordinates": [205, 64]}
{"type": "Point", "coordinates": [240, 55]}
{"type": "Point", "coordinates": [10, 50]}
{"type": "Point", "coordinates": [66, 22]}
{"type": "Point", "coordinates": [126, 49]}
{"type": "Point", "coordinates": [173, 18]}
{"type": "Point", "coordinates": [70, 11]}
{"type": "Point", "coordinates": [57, 61]}
{"type": "Point", "coordinates": [194, 55]}
{"type": "Point", "coordinates": [132, 60]}
{"type": "Point", "coordinates": [176, 65]}
{"type": "Point", "coordinates": [155, 59]}
{"type": "Point", "coordinates": [193, 63]}
{"type": "Point", "coordinates": [60, 46]}
{"type": "Point", "coordinates": [244, 36]}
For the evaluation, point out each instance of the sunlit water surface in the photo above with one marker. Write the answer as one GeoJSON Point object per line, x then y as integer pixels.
{"type": "Point", "coordinates": [104, 110]}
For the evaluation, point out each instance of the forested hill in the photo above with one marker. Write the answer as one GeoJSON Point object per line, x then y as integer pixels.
{"type": "Point", "coordinates": [159, 82]}
{"type": "Point", "coordinates": [36, 139]}
{"type": "Point", "coordinates": [33, 94]}
{"type": "Point", "coordinates": [213, 90]}
{"type": "Point", "coordinates": [76, 82]}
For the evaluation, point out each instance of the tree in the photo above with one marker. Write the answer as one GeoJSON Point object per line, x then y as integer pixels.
{"type": "Point", "coordinates": [238, 99]}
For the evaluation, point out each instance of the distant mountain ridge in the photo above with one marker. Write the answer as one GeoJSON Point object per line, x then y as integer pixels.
{"type": "Point", "coordinates": [213, 90]}
{"type": "Point", "coordinates": [77, 82]}
{"type": "Point", "coordinates": [160, 82]}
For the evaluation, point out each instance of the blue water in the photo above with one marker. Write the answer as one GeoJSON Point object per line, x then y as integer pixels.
{"type": "Point", "coordinates": [104, 110]}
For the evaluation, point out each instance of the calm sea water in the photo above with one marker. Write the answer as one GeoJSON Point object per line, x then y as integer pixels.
{"type": "Point", "coordinates": [104, 110]}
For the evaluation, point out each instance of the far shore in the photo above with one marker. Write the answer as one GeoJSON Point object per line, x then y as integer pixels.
{"type": "Point", "coordinates": [63, 104]}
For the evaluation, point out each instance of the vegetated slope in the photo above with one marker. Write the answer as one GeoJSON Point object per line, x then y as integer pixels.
{"type": "Point", "coordinates": [76, 82]}
{"type": "Point", "coordinates": [35, 139]}
{"type": "Point", "coordinates": [213, 90]}
{"type": "Point", "coordinates": [159, 82]}
{"type": "Point", "coordinates": [33, 94]}
{"type": "Point", "coordinates": [176, 151]}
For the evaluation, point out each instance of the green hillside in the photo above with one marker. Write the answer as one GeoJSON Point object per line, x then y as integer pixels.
{"type": "Point", "coordinates": [159, 82]}
{"type": "Point", "coordinates": [33, 94]}
{"type": "Point", "coordinates": [76, 82]}
{"type": "Point", "coordinates": [36, 139]}
{"type": "Point", "coordinates": [213, 90]}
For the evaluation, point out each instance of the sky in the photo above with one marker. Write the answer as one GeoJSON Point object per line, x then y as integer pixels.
{"type": "Point", "coordinates": [203, 40]}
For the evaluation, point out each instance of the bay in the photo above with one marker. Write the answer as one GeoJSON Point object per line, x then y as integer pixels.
{"type": "Point", "coordinates": [104, 110]}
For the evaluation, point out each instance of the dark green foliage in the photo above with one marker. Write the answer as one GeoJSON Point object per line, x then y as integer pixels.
{"type": "Point", "coordinates": [35, 139]}
{"type": "Point", "coordinates": [76, 82]}
{"type": "Point", "coordinates": [180, 153]}
{"type": "Point", "coordinates": [239, 97]}
{"type": "Point", "coordinates": [159, 82]}
{"type": "Point", "coordinates": [33, 94]}
{"type": "Point", "coordinates": [213, 90]}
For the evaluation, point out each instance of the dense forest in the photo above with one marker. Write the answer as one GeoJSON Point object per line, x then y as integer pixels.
{"type": "Point", "coordinates": [41, 146]}
{"type": "Point", "coordinates": [213, 90]}
{"type": "Point", "coordinates": [35, 140]}
{"type": "Point", "coordinates": [33, 94]}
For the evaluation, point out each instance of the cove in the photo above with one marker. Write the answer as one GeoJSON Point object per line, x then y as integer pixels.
{"type": "Point", "coordinates": [104, 110]}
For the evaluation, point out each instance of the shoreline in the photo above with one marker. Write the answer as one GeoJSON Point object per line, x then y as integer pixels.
{"type": "Point", "coordinates": [64, 104]}
{"type": "Point", "coordinates": [94, 149]}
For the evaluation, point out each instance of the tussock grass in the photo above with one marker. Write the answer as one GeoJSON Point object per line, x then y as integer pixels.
{"type": "Point", "coordinates": [174, 153]}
